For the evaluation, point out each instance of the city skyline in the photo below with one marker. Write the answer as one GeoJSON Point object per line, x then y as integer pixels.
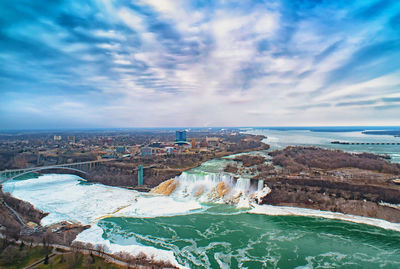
{"type": "Point", "coordinates": [149, 63]}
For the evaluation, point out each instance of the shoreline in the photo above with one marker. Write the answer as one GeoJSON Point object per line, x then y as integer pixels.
{"type": "Point", "coordinates": [108, 257]}
{"type": "Point", "coordinates": [274, 210]}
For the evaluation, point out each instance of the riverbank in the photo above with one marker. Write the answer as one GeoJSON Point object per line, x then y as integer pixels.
{"type": "Point", "coordinates": [25, 229]}
{"type": "Point", "coordinates": [361, 200]}
{"type": "Point", "coordinates": [332, 180]}
{"type": "Point", "coordinates": [273, 210]}
{"type": "Point", "coordinates": [66, 199]}
{"type": "Point", "coordinates": [20, 219]}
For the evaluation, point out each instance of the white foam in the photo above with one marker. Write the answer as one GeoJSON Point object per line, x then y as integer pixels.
{"type": "Point", "coordinates": [244, 202]}
{"type": "Point", "coordinates": [262, 193]}
{"type": "Point", "coordinates": [285, 210]}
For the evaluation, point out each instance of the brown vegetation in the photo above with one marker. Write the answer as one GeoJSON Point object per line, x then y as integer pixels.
{"type": "Point", "coordinates": [362, 200]}
{"type": "Point", "coordinates": [24, 209]}
{"type": "Point", "coordinates": [333, 180]}
{"type": "Point", "coordinates": [296, 159]}
{"type": "Point", "coordinates": [230, 168]}
{"type": "Point", "coordinates": [132, 260]}
{"type": "Point", "coordinates": [249, 160]}
{"type": "Point", "coordinates": [12, 228]}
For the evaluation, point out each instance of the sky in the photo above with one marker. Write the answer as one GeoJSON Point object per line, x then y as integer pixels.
{"type": "Point", "coordinates": [167, 63]}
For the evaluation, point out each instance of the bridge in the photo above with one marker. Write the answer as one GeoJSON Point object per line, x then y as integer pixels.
{"type": "Point", "coordinates": [365, 143]}
{"type": "Point", "coordinates": [79, 167]}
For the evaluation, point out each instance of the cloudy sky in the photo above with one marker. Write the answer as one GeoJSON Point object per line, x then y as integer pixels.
{"type": "Point", "coordinates": [148, 63]}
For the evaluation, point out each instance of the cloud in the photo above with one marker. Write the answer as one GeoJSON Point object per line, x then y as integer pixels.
{"type": "Point", "coordinates": [357, 103]}
{"type": "Point", "coordinates": [391, 99]}
{"type": "Point", "coordinates": [194, 63]}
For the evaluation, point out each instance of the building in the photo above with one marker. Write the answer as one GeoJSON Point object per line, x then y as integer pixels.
{"type": "Point", "coordinates": [57, 138]}
{"type": "Point", "coordinates": [155, 145]}
{"type": "Point", "coordinates": [71, 139]}
{"type": "Point", "coordinates": [180, 136]}
{"type": "Point", "coordinates": [120, 149]}
{"type": "Point", "coordinates": [169, 150]}
{"type": "Point", "coordinates": [146, 151]}
{"type": "Point", "coordinates": [134, 150]}
{"type": "Point", "coordinates": [212, 141]}
{"type": "Point", "coordinates": [203, 143]}
{"type": "Point", "coordinates": [193, 143]}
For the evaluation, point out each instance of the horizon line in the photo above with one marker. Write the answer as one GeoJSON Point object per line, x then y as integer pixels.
{"type": "Point", "coordinates": [195, 127]}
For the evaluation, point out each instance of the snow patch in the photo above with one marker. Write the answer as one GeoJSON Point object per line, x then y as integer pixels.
{"type": "Point", "coordinates": [285, 210]}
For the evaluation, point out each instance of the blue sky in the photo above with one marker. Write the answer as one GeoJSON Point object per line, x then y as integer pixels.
{"type": "Point", "coordinates": [147, 63]}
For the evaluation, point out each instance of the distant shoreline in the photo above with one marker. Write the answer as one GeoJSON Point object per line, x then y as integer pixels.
{"type": "Point", "coordinates": [395, 133]}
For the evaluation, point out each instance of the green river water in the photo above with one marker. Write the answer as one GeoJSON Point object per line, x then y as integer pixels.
{"type": "Point", "coordinates": [223, 238]}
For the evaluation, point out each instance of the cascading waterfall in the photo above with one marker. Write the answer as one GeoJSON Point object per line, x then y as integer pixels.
{"type": "Point", "coordinates": [211, 187]}
{"type": "Point", "coordinates": [260, 185]}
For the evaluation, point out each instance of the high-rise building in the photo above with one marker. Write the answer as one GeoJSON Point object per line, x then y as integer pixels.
{"type": "Point", "coordinates": [180, 136]}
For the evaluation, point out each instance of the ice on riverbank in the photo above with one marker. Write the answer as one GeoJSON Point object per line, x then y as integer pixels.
{"type": "Point", "coordinates": [295, 211]}
{"type": "Point", "coordinates": [66, 199]}
{"type": "Point", "coordinates": [93, 235]}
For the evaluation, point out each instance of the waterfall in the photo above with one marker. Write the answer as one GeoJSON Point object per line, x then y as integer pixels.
{"type": "Point", "coordinates": [203, 186]}
{"type": "Point", "coordinates": [260, 185]}
{"type": "Point", "coordinates": [211, 188]}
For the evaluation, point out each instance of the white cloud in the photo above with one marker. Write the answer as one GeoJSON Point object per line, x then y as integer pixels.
{"type": "Point", "coordinates": [114, 46]}
{"type": "Point", "coordinates": [111, 34]}
{"type": "Point", "coordinates": [132, 19]}
{"type": "Point", "coordinates": [209, 70]}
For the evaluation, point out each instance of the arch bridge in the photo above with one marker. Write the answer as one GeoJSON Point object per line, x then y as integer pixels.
{"type": "Point", "coordinates": [81, 168]}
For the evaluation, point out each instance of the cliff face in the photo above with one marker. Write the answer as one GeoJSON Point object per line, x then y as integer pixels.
{"type": "Point", "coordinates": [24, 209]}
{"type": "Point", "coordinates": [362, 200]}
{"type": "Point", "coordinates": [11, 227]}
{"type": "Point", "coordinates": [114, 175]}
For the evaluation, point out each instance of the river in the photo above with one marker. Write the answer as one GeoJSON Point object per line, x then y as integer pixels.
{"type": "Point", "coordinates": [195, 228]}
